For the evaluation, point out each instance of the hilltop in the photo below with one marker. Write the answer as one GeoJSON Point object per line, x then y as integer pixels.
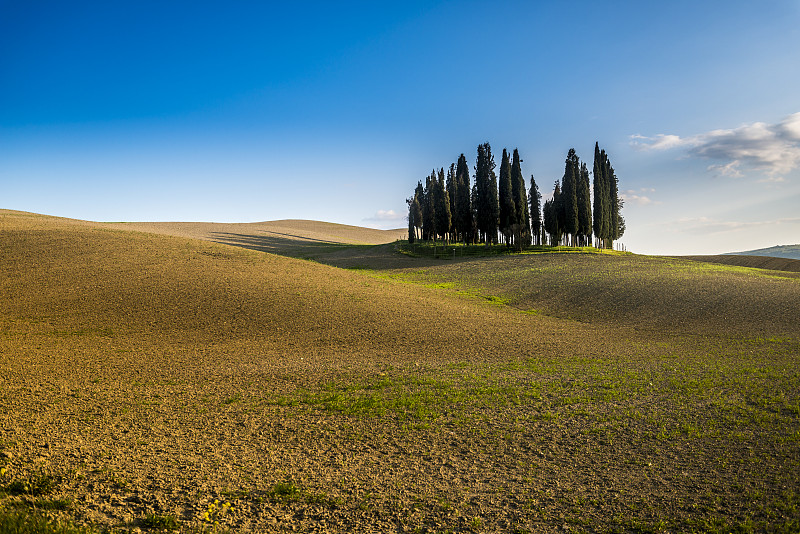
{"type": "Point", "coordinates": [151, 377]}
{"type": "Point", "coordinates": [780, 251]}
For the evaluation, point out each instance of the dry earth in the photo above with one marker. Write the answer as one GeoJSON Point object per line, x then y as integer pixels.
{"type": "Point", "coordinates": [148, 378]}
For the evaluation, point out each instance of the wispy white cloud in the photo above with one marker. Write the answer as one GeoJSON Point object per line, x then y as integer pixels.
{"type": "Point", "coordinates": [659, 142]}
{"type": "Point", "coordinates": [772, 180]}
{"type": "Point", "coordinates": [386, 216]}
{"type": "Point", "coordinates": [706, 225]}
{"type": "Point", "coordinates": [727, 169]}
{"type": "Point", "coordinates": [638, 196]}
{"type": "Point", "coordinates": [770, 148]}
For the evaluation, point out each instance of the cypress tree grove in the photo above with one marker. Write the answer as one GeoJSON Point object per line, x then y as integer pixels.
{"type": "Point", "coordinates": [458, 210]}
{"type": "Point", "coordinates": [463, 209]}
{"type": "Point", "coordinates": [508, 211]}
{"type": "Point", "coordinates": [522, 228]}
{"type": "Point", "coordinates": [536, 216]}
{"type": "Point", "coordinates": [569, 195]}
{"type": "Point", "coordinates": [584, 208]}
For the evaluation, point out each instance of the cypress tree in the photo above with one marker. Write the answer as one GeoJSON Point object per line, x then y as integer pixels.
{"type": "Point", "coordinates": [558, 214]}
{"type": "Point", "coordinates": [522, 232]}
{"type": "Point", "coordinates": [487, 206]}
{"type": "Point", "coordinates": [508, 211]}
{"type": "Point", "coordinates": [608, 213]}
{"type": "Point", "coordinates": [584, 207]}
{"type": "Point", "coordinates": [463, 210]}
{"type": "Point", "coordinates": [494, 203]}
{"type": "Point", "coordinates": [536, 218]}
{"type": "Point", "coordinates": [452, 191]}
{"type": "Point", "coordinates": [429, 208]}
{"type": "Point", "coordinates": [474, 202]}
{"type": "Point", "coordinates": [609, 224]}
{"type": "Point", "coordinates": [617, 222]}
{"type": "Point", "coordinates": [569, 194]}
{"type": "Point", "coordinates": [481, 192]}
{"type": "Point", "coordinates": [416, 208]}
{"type": "Point", "coordinates": [412, 226]}
{"type": "Point", "coordinates": [443, 215]}
{"type": "Point", "coordinates": [599, 193]}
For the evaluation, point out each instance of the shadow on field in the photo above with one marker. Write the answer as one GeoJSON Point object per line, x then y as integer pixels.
{"type": "Point", "coordinates": [290, 245]}
{"type": "Point", "coordinates": [343, 255]}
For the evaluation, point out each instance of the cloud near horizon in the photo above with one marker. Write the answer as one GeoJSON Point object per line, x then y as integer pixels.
{"type": "Point", "coordinates": [385, 216]}
{"type": "Point", "coordinates": [770, 148]}
{"type": "Point", "coordinates": [638, 197]}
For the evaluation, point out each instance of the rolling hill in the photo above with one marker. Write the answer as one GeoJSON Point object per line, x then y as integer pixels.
{"type": "Point", "coordinates": [780, 251]}
{"type": "Point", "coordinates": [154, 375]}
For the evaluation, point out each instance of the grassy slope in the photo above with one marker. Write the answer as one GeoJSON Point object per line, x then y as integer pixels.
{"type": "Point", "coordinates": [773, 263]}
{"type": "Point", "coordinates": [149, 375]}
{"type": "Point", "coordinates": [652, 293]}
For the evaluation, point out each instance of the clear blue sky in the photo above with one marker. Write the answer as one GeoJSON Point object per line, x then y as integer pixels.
{"type": "Point", "coordinates": [249, 111]}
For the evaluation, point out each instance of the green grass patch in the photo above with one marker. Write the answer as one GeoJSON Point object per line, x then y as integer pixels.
{"type": "Point", "coordinates": [439, 250]}
{"type": "Point", "coordinates": [161, 522]}
{"type": "Point", "coordinates": [414, 397]}
{"type": "Point", "coordinates": [18, 521]}
{"type": "Point", "coordinates": [34, 484]}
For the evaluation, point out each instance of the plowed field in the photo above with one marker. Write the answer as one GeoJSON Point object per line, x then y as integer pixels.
{"type": "Point", "coordinates": [175, 382]}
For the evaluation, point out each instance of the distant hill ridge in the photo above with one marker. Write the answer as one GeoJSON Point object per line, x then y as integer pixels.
{"type": "Point", "coordinates": [780, 251]}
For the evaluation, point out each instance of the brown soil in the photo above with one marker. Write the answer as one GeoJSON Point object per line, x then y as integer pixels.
{"type": "Point", "coordinates": [157, 374]}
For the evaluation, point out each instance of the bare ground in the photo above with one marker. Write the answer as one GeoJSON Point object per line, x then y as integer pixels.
{"type": "Point", "coordinates": [150, 376]}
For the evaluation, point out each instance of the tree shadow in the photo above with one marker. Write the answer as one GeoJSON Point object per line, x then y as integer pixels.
{"type": "Point", "coordinates": [293, 246]}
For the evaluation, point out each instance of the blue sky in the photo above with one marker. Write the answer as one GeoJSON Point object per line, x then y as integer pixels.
{"type": "Point", "coordinates": [250, 111]}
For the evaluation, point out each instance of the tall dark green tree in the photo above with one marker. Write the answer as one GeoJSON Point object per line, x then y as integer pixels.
{"type": "Point", "coordinates": [584, 208]}
{"type": "Point", "coordinates": [494, 202]}
{"type": "Point", "coordinates": [508, 211]}
{"type": "Point", "coordinates": [476, 233]}
{"type": "Point", "coordinates": [553, 216]}
{"type": "Point", "coordinates": [609, 225]}
{"type": "Point", "coordinates": [547, 224]}
{"type": "Point", "coordinates": [429, 208]}
{"type": "Point", "coordinates": [569, 194]}
{"type": "Point", "coordinates": [522, 227]}
{"type": "Point", "coordinates": [601, 200]}
{"type": "Point", "coordinates": [536, 213]}
{"type": "Point", "coordinates": [443, 214]}
{"type": "Point", "coordinates": [452, 191]}
{"type": "Point", "coordinates": [463, 208]}
{"type": "Point", "coordinates": [412, 226]}
{"type": "Point", "coordinates": [617, 225]}
{"type": "Point", "coordinates": [414, 214]}
{"type": "Point", "coordinates": [487, 207]}
{"type": "Point", "coordinates": [559, 212]}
